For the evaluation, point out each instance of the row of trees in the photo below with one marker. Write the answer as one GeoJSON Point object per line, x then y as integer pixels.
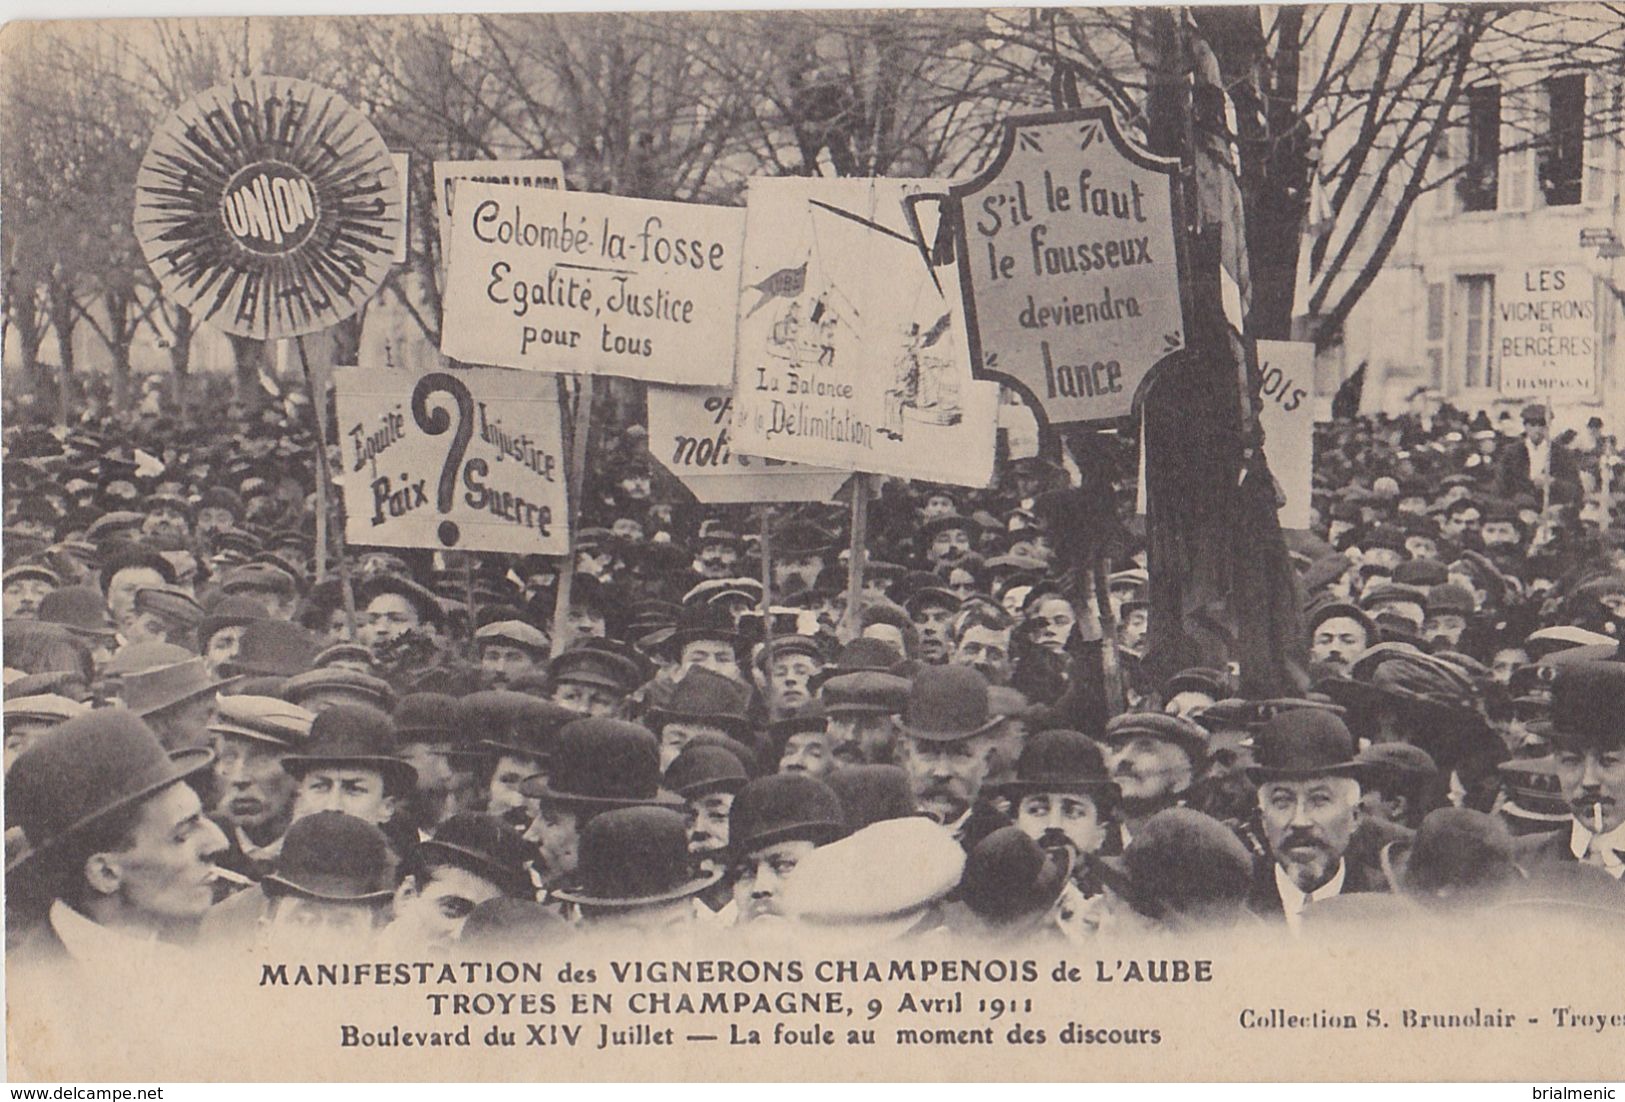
{"type": "Point", "coordinates": [1341, 115]}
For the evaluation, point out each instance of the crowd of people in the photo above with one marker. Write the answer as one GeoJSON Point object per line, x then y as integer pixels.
{"type": "Point", "coordinates": [214, 739]}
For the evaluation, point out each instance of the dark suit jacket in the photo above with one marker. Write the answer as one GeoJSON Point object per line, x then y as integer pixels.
{"type": "Point", "coordinates": [1265, 899]}
{"type": "Point", "coordinates": [1512, 469]}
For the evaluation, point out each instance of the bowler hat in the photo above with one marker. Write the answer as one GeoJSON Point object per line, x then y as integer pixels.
{"type": "Point", "coordinates": [483, 845]}
{"type": "Point", "coordinates": [230, 611]}
{"type": "Point", "coordinates": [349, 685]}
{"type": "Point", "coordinates": [1332, 610]}
{"type": "Point", "coordinates": [700, 622]}
{"type": "Point", "coordinates": [1184, 733]}
{"type": "Point", "coordinates": [705, 768]}
{"type": "Point", "coordinates": [1303, 744]}
{"type": "Point", "coordinates": [513, 722]}
{"type": "Point", "coordinates": [946, 523]}
{"type": "Point", "coordinates": [867, 693]}
{"type": "Point", "coordinates": [431, 718]}
{"type": "Point", "coordinates": [262, 718]}
{"type": "Point", "coordinates": [1183, 864]}
{"type": "Point", "coordinates": [783, 807]}
{"type": "Point", "coordinates": [1588, 705]}
{"type": "Point", "coordinates": [705, 698]}
{"type": "Point", "coordinates": [796, 539]}
{"type": "Point", "coordinates": [872, 793]}
{"type": "Point", "coordinates": [1062, 761]}
{"type": "Point", "coordinates": [333, 858]}
{"type": "Point", "coordinates": [355, 736]}
{"type": "Point", "coordinates": [1449, 599]}
{"type": "Point", "coordinates": [598, 762]}
{"type": "Point", "coordinates": [1199, 679]}
{"type": "Point", "coordinates": [861, 655]}
{"type": "Point", "coordinates": [275, 647]}
{"type": "Point", "coordinates": [90, 767]}
{"type": "Point", "coordinates": [633, 857]}
{"type": "Point", "coordinates": [150, 691]}
{"type": "Point", "coordinates": [1456, 851]}
{"type": "Point", "coordinates": [1009, 877]}
{"type": "Point", "coordinates": [79, 608]}
{"type": "Point", "coordinates": [1399, 761]}
{"type": "Point", "coordinates": [947, 704]}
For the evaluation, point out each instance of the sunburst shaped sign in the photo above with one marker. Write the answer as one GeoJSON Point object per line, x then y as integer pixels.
{"type": "Point", "coordinates": [269, 207]}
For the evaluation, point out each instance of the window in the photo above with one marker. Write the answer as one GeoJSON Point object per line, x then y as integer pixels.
{"type": "Point", "coordinates": [1474, 316]}
{"type": "Point", "coordinates": [1480, 176]}
{"type": "Point", "coordinates": [1560, 156]}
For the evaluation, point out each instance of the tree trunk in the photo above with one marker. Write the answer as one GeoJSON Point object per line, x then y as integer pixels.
{"type": "Point", "coordinates": [120, 348]}
{"type": "Point", "coordinates": [248, 358]}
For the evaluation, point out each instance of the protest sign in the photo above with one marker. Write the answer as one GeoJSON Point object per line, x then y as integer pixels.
{"type": "Point", "coordinates": [1069, 265]}
{"type": "Point", "coordinates": [852, 348]}
{"type": "Point", "coordinates": [592, 284]}
{"type": "Point", "coordinates": [546, 173]}
{"type": "Point", "coordinates": [268, 207]}
{"type": "Point", "coordinates": [1546, 333]}
{"type": "Point", "coordinates": [1287, 415]}
{"type": "Point", "coordinates": [470, 459]}
{"type": "Point", "coordinates": [689, 436]}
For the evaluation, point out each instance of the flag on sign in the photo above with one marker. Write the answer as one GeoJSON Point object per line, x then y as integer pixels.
{"type": "Point", "coordinates": [784, 283]}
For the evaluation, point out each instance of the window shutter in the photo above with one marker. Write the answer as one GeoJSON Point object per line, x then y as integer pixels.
{"type": "Point", "coordinates": [1518, 128]}
{"type": "Point", "coordinates": [1603, 121]}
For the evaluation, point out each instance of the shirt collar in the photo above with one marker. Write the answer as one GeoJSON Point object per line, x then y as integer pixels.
{"type": "Point", "coordinates": [270, 851]}
{"type": "Point", "coordinates": [89, 942]}
{"type": "Point", "coordinates": [1293, 898]}
{"type": "Point", "coordinates": [1582, 842]}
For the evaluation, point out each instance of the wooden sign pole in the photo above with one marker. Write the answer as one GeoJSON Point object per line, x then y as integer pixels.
{"type": "Point", "coordinates": [324, 478]}
{"type": "Point", "coordinates": [574, 486]}
{"type": "Point", "coordinates": [766, 549]}
{"type": "Point", "coordinates": [858, 559]}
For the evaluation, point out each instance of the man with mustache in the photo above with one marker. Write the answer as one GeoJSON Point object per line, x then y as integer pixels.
{"type": "Point", "coordinates": [1154, 759]}
{"type": "Point", "coordinates": [708, 777]}
{"type": "Point", "coordinates": [1339, 631]}
{"type": "Point", "coordinates": [252, 733]}
{"type": "Point", "coordinates": [1309, 805]}
{"type": "Point", "coordinates": [949, 733]}
{"type": "Point", "coordinates": [1588, 754]}
{"type": "Point", "coordinates": [981, 640]}
{"type": "Point", "coordinates": [718, 551]}
{"type": "Point", "coordinates": [860, 711]}
{"type": "Point", "coordinates": [1062, 798]}
{"type": "Point", "coordinates": [947, 538]}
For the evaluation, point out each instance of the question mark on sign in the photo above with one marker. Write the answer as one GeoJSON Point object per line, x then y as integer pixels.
{"type": "Point", "coordinates": [436, 421]}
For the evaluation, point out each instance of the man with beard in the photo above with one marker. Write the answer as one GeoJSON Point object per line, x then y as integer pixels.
{"type": "Point", "coordinates": [470, 858]}
{"type": "Point", "coordinates": [1225, 791]}
{"type": "Point", "coordinates": [1154, 759]}
{"type": "Point", "coordinates": [1448, 611]}
{"type": "Point", "coordinates": [708, 777]}
{"type": "Point", "coordinates": [389, 606]}
{"type": "Point", "coordinates": [776, 822]}
{"type": "Point", "coordinates": [860, 711]}
{"type": "Point", "coordinates": [947, 539]}
{"type": "Point", "coordinates": [438, 740]}
{"type": "Point", "coordinates": [785, 668]}
{"type": "Point", "coordinates": [1338, 632]}
{"type": "Point", "coordinates": [596, 765]}
{"type": "Point", "coordinates": [509, 649]}
{"type": "Point", "coordinates": [1309, 804]}
{"type": "Point", "coordinates": [168, 523]}
{"type": "Point", "coordinates": [255, 793]}
{"type": "Point", "coordinates": [801, 551]}
{"type": "Point", "coordinates": [1588, 743]}
{"type": "Point", "coordinates": [932, 609]}
{"type": "Point", "coordinates": [981, 640]}
{"type": "Point", "coordinates": [118, 854]}
{"type": "Point", "coordinates": [717, 551]}
{"type": "Point", "coordinates": [948, 738]}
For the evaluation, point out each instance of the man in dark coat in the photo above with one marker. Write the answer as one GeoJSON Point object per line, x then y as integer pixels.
{"type": "Point", "coordinates": [1588, 744]}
